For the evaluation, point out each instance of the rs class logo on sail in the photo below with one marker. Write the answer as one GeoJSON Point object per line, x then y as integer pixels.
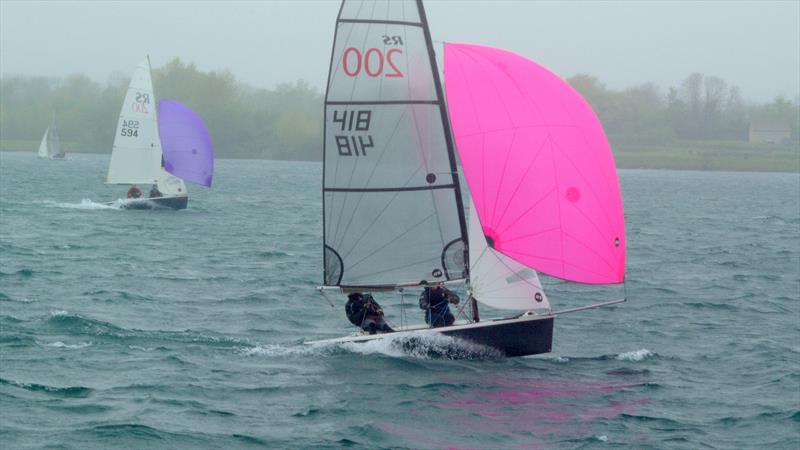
{"type": "Point", "coordinates": [141, 103]}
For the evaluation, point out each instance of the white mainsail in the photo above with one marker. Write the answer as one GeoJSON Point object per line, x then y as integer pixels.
{"type": "Point", "coordinates": [43, 153]}
{"type": "Point", "coordinates": [497, 280]}
{"type": "Point", "coordinates": [136, 155]}
{"type": "Point", "coordinates": [392, 210]}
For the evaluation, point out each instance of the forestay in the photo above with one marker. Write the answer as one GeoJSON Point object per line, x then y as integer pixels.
{"type": "Point", "coordinates": [186, 143]}
{"type": "Point", "coordinates": [392, 211]}
{"type": "Point", "coordinates": [538, 165]}
{"type": "Point", "coordinates": [136, 156]}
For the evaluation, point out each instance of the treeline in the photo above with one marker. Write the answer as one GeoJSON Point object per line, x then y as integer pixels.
{"type": "Point", "coordinates": [244, 122]}
{"type": "Point", "coordinates": [700, 108]}
{"type": "Point", "coordinates": [286, 122]}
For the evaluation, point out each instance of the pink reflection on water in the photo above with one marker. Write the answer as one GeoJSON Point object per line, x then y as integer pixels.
{"type": "Point", "coordinates": [518, 408]}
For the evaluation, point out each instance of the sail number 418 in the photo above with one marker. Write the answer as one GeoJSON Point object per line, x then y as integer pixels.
{"type": "Point", "coordinates": [353, 122]}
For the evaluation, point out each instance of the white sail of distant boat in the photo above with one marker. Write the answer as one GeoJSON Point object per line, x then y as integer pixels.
{"type": "Point", "coordinates": [140, 156]}
{"type": "Point", "coordinates": [136, 154]}
{"type": "Point", "coordinates": [540, 173]}
{"type": "Point", "coordinates": [50, 147]}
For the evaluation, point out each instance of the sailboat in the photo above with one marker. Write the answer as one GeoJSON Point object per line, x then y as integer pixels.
{"type": "Point", "coordinates": [50, 147]}
{"type": "Point", "coordinates": [161, 146]}
{"type": "Point", "coordinates": [544, 193]}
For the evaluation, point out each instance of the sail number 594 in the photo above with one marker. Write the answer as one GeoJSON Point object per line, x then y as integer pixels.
{"type": "Point", "coordinates": [373, 62]}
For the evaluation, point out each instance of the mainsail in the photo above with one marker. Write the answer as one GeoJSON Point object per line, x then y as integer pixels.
{"type": "Point", "coordinates": [136, 156]}
{"type": "Point", "coordinates": [186, 143]}
{"type": "Point", "coordinates": [392, 209]}
{"type": "Point", "coordinates": [538, 165]}
{"type": "Point", "coordinates": [50, 147]}
{"type": "Point", "coordinates": [43, 152]}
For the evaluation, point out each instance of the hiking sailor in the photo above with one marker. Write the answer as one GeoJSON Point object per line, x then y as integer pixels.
{"type": "Point", "coordinates": [363, 311]}
{"type": "Point", "coordinates": [434, 300]}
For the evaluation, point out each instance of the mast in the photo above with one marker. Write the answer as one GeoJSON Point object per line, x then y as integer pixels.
{"type": "Point", "coordinates": [450, 149]}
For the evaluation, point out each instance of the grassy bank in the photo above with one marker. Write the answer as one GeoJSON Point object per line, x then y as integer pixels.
{"type": "Point", "coordinates": [710, 155]}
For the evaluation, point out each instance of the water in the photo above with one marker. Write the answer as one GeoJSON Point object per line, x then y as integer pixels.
{"type": "Point", "coordinates": [164, 329]}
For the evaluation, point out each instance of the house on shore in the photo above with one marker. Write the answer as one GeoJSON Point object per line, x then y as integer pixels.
{"type": "Point", "coordinates": [766, 130]}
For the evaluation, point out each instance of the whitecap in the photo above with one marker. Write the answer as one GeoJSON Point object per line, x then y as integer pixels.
{"type": "Point", "coordinates": [59, 313]}
{"type": "Point", "coordinates": [86, 204]}
{"type": "Point", "coordinates": [637, 355]}
{"type": "Point", "coordinates": [59, 344]}
{"type": "Point", "coordinates": [602, 438]}
{"type": "Point", "coordinates": [278, 350]}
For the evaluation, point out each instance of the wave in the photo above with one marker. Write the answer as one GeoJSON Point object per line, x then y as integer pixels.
{"type": "Point", "coordinates": [76, 324]}
{"type": "Point", "coordinates": [70, 391]}
{"type": "Point", "coordinates": [85, 204]}
{"type": "Point", "coordinates": [59, 344]}
{"type": "Point", "coordinates": [23, 273]}
{"type": "Point", "coordinates": [420, 345]}
{"type": "Point", "coordinates": [636, 355]}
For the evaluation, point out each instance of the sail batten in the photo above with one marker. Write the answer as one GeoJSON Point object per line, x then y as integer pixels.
{"type": "Point", "coordinates": [391, 200]}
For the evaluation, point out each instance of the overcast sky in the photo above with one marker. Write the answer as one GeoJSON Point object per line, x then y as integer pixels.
{"type": "Point", "coordinates": [755, 45]}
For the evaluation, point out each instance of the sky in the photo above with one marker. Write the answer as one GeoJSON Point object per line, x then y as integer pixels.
{"type": "Point", "coordinates": [752, 44]}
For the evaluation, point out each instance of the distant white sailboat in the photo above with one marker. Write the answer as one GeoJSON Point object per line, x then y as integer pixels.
{"type": "Point", "coordinates": [50, 147]}
{"type": "Point", "coordinates": [139, 157]}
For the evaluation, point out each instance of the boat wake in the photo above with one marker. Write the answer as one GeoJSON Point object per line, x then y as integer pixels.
{"type": "Point", "coordinates": [85, 204]}
{"type": "Point", "coordinates": [420, 345]}
{"type": "Point", "coordinates": [424, 345]}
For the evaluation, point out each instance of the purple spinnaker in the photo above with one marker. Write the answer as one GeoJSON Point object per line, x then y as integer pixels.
{"type": "Point", "coordinates": [186, 143]}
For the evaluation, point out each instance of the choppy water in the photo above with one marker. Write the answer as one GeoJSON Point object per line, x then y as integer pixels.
{"type": "Point", "coordinates": [164, 329]}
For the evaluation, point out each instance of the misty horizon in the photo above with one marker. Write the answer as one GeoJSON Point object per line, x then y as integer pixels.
{"type": "Point", "coordinates": [755, 46]}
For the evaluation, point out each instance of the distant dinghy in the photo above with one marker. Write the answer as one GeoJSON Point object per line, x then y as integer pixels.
{"type": "Point", "coordinates": [544, 190]}
{"type": "Point", "coordinates": [50, 147]}
{"type": "Point", "coordinates": [158, 144]}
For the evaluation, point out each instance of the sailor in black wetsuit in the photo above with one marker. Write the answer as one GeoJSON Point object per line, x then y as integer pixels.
{"type": "Point", "coordinates": [363, 311]}
{"type": "Point", "coordinates": [435, 301]}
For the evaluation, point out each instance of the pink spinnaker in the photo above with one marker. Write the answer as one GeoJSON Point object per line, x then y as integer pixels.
{"type": "Point", "coordinates": [538, 165]}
